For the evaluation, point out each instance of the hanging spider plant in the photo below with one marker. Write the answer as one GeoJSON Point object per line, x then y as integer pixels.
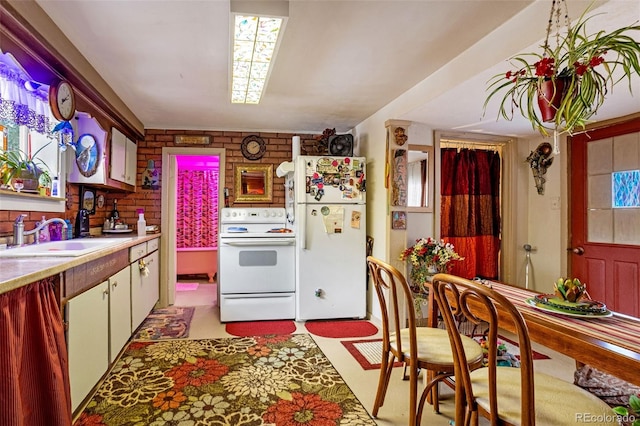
{"type": "Point", "coordinates": [581, 70]}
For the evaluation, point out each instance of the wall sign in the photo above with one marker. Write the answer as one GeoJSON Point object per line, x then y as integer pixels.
{"type": "Point", "coordinates": [193, 139]}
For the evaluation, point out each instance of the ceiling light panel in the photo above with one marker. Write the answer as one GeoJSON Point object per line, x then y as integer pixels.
{"type": "Point", "coordinates": [255, 42]}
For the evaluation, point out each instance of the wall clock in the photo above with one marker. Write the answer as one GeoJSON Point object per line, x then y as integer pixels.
{"type": "Point", "coordinates": [253, 147]}
{"type": "Point", "coordinates": [62, 100]}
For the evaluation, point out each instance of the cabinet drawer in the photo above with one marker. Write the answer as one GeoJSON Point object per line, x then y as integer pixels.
{"type": "Point", "coordinates": [152, 245]}
{"type": "Point", "coordinates": [137, 251]}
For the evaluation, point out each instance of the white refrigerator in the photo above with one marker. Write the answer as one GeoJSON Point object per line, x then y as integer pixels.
{"type": "Point", "coordinates": [329, 215]}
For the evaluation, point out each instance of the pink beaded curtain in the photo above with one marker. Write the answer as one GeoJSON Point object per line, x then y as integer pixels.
{"type": "Point", "coordinates": [197, 208]}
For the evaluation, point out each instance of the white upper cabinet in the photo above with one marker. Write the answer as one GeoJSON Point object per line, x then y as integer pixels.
{"type": "Point", "coordinates": [123, 158]}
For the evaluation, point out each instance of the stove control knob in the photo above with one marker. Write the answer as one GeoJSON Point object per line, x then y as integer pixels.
{"type": "Point", "coordinates": [226, 214]}
{"type": "Point", "coordinates": [265, 213]}
{"type": "Point", "coordinates": [273, 214]}
{"type": "Point", "coordinates": [234, 214]}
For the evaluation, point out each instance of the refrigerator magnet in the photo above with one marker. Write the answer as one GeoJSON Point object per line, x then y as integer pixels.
{"type": "Point", "coordinates": [355, 220]}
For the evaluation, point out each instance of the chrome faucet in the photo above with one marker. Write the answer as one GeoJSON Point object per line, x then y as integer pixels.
{"type": "Point", "coordinates": [19, 232]}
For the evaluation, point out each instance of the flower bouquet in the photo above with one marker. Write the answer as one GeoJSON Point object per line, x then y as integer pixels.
{"type": "Point", "coordinates": [428, 257]}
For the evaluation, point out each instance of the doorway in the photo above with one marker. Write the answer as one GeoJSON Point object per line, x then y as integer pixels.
{"type": "Point", "coordinates": [506, 252]}
{"type": "Point", "coordinates": [604, 242]}
{"type": "Point", "coordinates": [170, 210]}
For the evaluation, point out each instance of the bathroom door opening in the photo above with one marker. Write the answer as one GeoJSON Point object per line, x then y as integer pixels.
{"type": "Point", "coordinates": [192, 183]}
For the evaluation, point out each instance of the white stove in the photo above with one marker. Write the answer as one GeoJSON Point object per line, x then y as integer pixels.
{"type": "Point", "coordinates": [256, 269]}
{"type": "Point", "coordinates": [254, 222]}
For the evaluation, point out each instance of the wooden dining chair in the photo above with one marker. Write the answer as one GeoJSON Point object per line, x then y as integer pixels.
{"type": "Point", "coordinates": [419, 348]}
{"type": "Point", "coordinates": [507, 395]}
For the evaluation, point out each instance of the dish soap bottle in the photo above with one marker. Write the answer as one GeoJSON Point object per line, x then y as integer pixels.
{"type": "Point", "coordinates": [142, 224]}
{"type": "Point", "coordinates": [44, 232]}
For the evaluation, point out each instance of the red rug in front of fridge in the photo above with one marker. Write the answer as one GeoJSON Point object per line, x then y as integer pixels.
{"type": "Point", "coordinates": [260, 328]}
{"type": "Point", "coordinates": [341, 328]}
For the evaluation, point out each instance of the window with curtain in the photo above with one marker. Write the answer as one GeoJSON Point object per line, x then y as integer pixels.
{"type": "Point", "coordinates": [25, 116]}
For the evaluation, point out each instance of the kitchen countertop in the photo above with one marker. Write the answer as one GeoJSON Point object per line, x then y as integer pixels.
{"type": "Point", "coordinates": [18, 272]}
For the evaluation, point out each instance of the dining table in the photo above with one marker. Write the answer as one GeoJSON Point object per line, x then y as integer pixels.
{"type": "Point", "coordinates": [608, 343]}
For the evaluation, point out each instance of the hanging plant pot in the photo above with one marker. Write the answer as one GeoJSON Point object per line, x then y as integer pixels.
{"type": "Point", "coordinates": [550, 94]}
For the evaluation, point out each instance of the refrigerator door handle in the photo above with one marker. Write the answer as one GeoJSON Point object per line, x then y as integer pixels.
{"type": "Point", "coordinates": [302, 226]}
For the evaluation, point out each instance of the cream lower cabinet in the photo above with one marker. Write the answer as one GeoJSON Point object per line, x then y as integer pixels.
{"type": "Point", "coordinates": [119, 311]}
{"type": "Point", "coordinates": [87, 340]}
{"type": "Point", "coordinates": [145, 290]}
{"type": "Point", "coordinates": [99, 327]}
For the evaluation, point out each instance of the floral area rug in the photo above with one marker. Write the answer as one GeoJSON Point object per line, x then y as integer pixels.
{"type": "Point", "coordinates": [282, 380]}
{"type": "Point", "coordinates": [172, 322]}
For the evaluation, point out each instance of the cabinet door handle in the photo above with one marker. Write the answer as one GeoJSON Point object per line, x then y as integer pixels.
{"type": "Point", "coordinates": [115, 284]}
{"type": "Point", "coordinates": [105, 292]}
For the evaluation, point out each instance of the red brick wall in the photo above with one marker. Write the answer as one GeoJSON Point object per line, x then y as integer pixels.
{"type": "Point", "coordinates": [278, 150]}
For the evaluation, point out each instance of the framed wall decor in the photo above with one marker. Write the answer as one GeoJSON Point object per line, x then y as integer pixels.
{"type": "Point", "coordinates": [253, 183]}
{"type": "Point", "coordinates": [88, 199]}
{"type": "Point", "coordinates": [398, 220]}
{"type": "Point", "coordinates": [399, 178]}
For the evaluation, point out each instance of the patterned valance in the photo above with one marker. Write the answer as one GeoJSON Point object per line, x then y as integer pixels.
{"type": "Point", "coordinates": [21, 106]}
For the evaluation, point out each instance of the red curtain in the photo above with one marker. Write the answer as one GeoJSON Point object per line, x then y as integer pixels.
{"type": "Point", "coordinates": [34, 375]}
{"type": "Point", "coordinates": [470, 210]}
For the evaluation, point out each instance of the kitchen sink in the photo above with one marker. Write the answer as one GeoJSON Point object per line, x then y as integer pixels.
{"type": "Point", "coordinates": [66, 248]}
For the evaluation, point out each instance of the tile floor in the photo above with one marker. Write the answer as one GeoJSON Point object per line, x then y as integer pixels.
{"type": "Point", "coordinates": [206, 324]}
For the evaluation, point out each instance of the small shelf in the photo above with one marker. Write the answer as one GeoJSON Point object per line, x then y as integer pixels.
{"type": "Point", "coordinates": [23, 201]}
{"type": "Point", "coordinates": [10, 193]}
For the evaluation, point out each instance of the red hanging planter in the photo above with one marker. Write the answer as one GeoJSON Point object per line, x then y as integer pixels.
{"type": "Point", "coordinates": [550, 95]}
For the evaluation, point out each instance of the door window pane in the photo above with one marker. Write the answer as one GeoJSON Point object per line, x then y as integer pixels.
{"type": "Point", "coordinates": [626, 189]}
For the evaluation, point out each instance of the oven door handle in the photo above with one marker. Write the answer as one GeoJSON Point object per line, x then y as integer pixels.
{"type": "Point", "coordinates": [265, 243]}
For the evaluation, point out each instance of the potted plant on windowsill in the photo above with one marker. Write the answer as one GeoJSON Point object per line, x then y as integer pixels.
{"type": "Point", "coordinates": [19, 171]}
{"type": "Point", "coordinates": [570, 80]}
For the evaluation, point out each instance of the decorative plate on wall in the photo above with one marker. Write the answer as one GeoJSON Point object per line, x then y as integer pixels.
{"type": "Point", "coordinates": [253, 147]}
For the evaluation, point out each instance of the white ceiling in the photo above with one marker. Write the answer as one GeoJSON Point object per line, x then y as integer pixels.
{"type": "Point", "coordinates": [338, 63]}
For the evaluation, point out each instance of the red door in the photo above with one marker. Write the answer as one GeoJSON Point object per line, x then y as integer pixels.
{"type": "Point", "coordinates": [608, 260]}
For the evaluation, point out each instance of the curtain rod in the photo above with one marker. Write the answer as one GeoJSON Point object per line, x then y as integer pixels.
{"type": "Point", "coordinates": [472, 142]}
{"type": "Point", "coordinates": [472, 145]}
